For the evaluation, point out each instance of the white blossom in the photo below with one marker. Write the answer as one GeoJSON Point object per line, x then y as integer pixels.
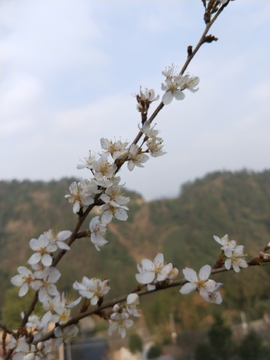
{"type": "Point", "coordinates": [93, 289]}
{"type": "Point", "coordinates": [235, 258]}
{"type": "Point", "coordinates": [132, 304]}
{"type": "Point", "coordinates": [103, 168]}
{"type": "Point", "coordinates": [43, 249]}
{"type": "Point", "coordinates": [155, 147]}
{"type": "Point", "coordinates": [172, 85]}
{"type": "Point", "coordinates": [201, 283]}
{"type": "Point", "coordinates": [116, 149]}
{"type": "Point", "coordinates": [149, 130]}
{"type": "Point", "coordinates": [176, 83]}
{"type": "Point", "coordinates": [59, 238]}
{"type": "Point", "coordinates": [120, 322]}
{"type": "Point", "coordinates": [24, 279]}
{"type": "Point", "coordinates": [64, 335]}
{"type": "Point", "coordinates": [136, 157]}
{"type": "Point", "coordinates": [144, 99]}
{"type": "Point", "coordinates": [80, 194]}
{"type": "Point", "coordinates": [86, 163]}
{"type": "Point", "coordinates": [110, 211]}
{"type": "Point", "coordinates": [49, 277]}
{"type": "Point", "coordinates": [98, 231]}
{"type": "Point", "coordinates": [225, 242]}
{"type": "Point", "coordinates": [152, 272]}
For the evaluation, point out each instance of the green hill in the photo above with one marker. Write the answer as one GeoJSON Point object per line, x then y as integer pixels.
{"type": "Point", "coordinates": [182, 228]}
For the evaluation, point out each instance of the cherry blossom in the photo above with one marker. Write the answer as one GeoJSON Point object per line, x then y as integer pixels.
{"type": "Point", "coordinates": [98, 231]}
{"type": "Point", "coordinates": [49, 277]}
{"type": "Point", "coordinates": [116, 149]}
{"type": "Point", "coordinates": [43, 249]}
{"type": "Point", "coordinates": [102, 167]}
{"type": "Point", "coordinates": [172, 85]}
{"type": "Point", "coordinates": [64, 335]}
{"type": "Point", "coordinates": [110, 211]}
{"type": "Point", "coordinates": [132, 304]}
{"type": "Point", "coordinates": [235, 258]}
{"type": "Point", "coordinates": [93, 289]}
{"type": "Point", "coordinates": [58, 239]}
{"type": "Point", "coordinates": [136, 157]}
{"type": "Point", "coordinates": [86, 163]}
{"type": "Point", "coordinates": [155, 147]}
{"type": "Point", "coordinates": [201, 283]}
{"type": "Point", "coordinates": [121, 322]}
{"type": "Point", "coordinates": [79, 196]}
{"type": "Point", "coordinates": [152, 272]}
{"type": "Point", "coordinates": [144, 99]}
{"type": "Point", "coordinates": [24, 279]}
{"type": "Point", "coordinates": [225, 242]}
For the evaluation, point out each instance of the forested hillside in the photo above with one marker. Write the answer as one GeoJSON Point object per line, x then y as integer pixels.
{"type": "Point", "coordinates": [182, 228]}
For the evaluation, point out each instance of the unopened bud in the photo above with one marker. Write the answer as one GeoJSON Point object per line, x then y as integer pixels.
{"type": "Point", "coordinates": [116, 308]}
{"type": "Point", "coordinates": [40, 345]}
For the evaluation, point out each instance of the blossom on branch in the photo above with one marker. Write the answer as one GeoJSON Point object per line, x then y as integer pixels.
{"type": "Point", "coordinates": [98, 231]}
{"type": "Point", "coordinates": [65, 335]}
{"type": "Point", "coordinates": [79, 196]}
{"type": "Point", "coordinates": [136, 157]}
{"type": "Point", "coordinates": [144, 99]}
{"type": "Point", "coordinates": [24, 279]}
{"type": "Point", "coordinates": [86, 163]}
{"type": "Point", "coordinates": [93, 289]}
{"type": "Point", "coordinates": [59, 238]}
{"type": "Point", "coordinates": [102, 167]}
{"type": "Point", "coordinates": [121, 322]}
{"type": "Point", "coordinates": [116, 149]}
{"type": "Point", "coordinates": [206, 287]}
{"type": "Point", "coordinates": [176, 83]}
{"type": "Point", "coordinates": [49, 277]}
{"type": "Point", "coordinates": [234, 253]}
{"type": "Point", "coordinates": [43, 248]}
{"type": "Point", "coordinates": [152, 272]}
{"type": "Point", "coordinates": [236, 259]}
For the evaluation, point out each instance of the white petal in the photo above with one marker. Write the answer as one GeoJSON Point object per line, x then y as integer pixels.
{"type": "Point", "coordinates": [62, 245]}
{"type": "Point", "coordinates": [23, 290]}
{"type": "Point", "coordinates": [188, 288]}
{"type": "Point", "coordinates": [179, 95]}
{"type": "Point", "coordinates": [190, 274]}
{"type": "Point", "coordinates": [167, 98]}
{"type": "Point", "coordinates": [228, 264]}
{"type": "Point", "coordinates": [159, 259]}
{"type": "Point", "coordinates": [205, 271]}
{"type": "Point", "coordinates": [121, 214]}
{"type": "Point", "coordinates": [63, 235]}
{"type": "Point", "coordinates": [147, 277]}
{"type": "Point", "coordinates": [34, 259]}
{"type": "Point", "coordinates": [46, 260]}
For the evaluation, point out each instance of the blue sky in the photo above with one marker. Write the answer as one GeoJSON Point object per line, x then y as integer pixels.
{"type": "Point", "coordinates": [69, 70]}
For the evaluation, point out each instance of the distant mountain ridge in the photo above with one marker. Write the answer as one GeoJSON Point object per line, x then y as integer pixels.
{"type": "Point", "coordinates": [182, 228]}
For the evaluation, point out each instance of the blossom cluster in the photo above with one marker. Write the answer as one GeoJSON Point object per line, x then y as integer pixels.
{"type": "Point", "coordinates": [120, 317]}
{"type": "Point", "coordinates": [206, 287]}
{"type": "Point", "coordinates": [176, 83]}
{"type": "Point", "coordinates": [56, 306]}
{"type": "Point", "coordinates": [233, 253]}
{"type": "Point", "coordinates": [151, 273]}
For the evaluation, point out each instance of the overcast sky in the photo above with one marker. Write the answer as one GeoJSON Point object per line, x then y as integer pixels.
{"type": "Point", "coordinates": [69, 70]}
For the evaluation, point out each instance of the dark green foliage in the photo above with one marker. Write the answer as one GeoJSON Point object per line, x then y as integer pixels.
{"type": "Point", "coordinates": [154, 351]}
{"type": "Point", "coordinates": [204, 351]}
{"type": "Point", "coordinates": [252, 348]}
{"type": "Point", "coordinates": [220, 343]}
{"type": "Point", "coordinates": [135, 343]}
{"type": "Point", "coordinates": [220, 339]}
